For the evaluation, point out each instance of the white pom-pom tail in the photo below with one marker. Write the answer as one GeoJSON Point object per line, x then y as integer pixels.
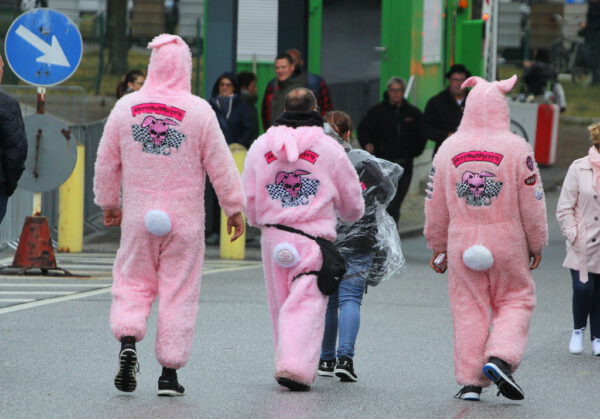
{"type": "Point", "coordinates": [157, 222]}
{"type": "Point", "coordinates": [286, 255]}
{"type": "Point", "coordinates": [478, 258]}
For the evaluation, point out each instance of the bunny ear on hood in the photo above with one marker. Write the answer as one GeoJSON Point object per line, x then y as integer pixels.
{"type": "Point", "coordinates": [471, 82]}
{"type": "Point", "coordinates": [284, 142]}
{"type": "Point", "coordinates": [506, 86]}
{"type": "Point", "coordinates": [170, 66]}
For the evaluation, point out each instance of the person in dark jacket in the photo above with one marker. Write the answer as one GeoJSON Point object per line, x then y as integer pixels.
{"type": "Point", "coordinates": [235, 120]}
{"type": "Point", "coordinates": [390, 130]}
{"type": "Point", "coordinates": [13, 146]}
{"type": "Point", "coordinates": [247, 83]}
{"type": "Point", "coordinates": [590, 30]}
{"type": "Point", "coordinates": [315, 82]}
{"type": "Point", "coordinates": [233, 114]}
{"type": "Point", "coordinates": [286, 80]}
{"type": "Point", "coordinates": [444, 111]}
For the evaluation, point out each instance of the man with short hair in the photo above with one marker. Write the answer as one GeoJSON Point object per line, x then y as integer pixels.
{"type": "Point", "coordinates": [390, 130]}
{"type": "Point", "coordinates": [315, 82]}
{"type": "Point", "coordinates": [247, 82]}
{"type": "Point", "coordinates": [13, 146]}
{"type": "Point", "coordinates": [286, 81]}
{"type": "Point", "coordinates": [444, 111]}
{"type": "Point", "coordinates": [296, 176]}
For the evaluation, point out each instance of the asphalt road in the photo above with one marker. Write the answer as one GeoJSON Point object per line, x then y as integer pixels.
{"type": "Point", "coordinates": [58, 358]}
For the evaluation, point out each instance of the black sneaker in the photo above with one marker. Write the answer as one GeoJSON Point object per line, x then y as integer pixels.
{"type": "Point", "coordinates": [498, 371]}
{"type": "Point", "coordinates": [471, 393]}
{"type": "Point", "coordinates": [168, 384]}
{"type": "Point", "coordinates": [128, 366]}
{"type": "Point", "coordinates": [293, 385]}
{"type": "Point", "coordinates": [344, 369]}
{"type": "Point", "coordinates": [326, 367]}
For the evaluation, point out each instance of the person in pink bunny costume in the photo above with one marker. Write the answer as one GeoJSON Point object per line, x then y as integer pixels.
{"type": "Point", "coordinates": [157, 146]}
{"type": "Point", "coordinates": [485, 209]}
{"type": "Point", "coordinates": [297, 176]}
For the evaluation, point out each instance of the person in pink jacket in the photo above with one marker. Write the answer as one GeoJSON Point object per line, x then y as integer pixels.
{"type": "Point", "coordinates": [158, 144]}
{"type": "Point", "coordinates": [578, 213]}
{"type": "Point", "coordinates": [297, 176]}
{"type": "Point", "coordinates": [485, 210]}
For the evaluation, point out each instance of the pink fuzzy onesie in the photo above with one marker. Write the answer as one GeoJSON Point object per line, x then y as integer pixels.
{"type": "Point", "coordinates": [485, 207]}
{"type": "Point", "coordinates": [301, 178]}
{"type": "Point", "coordinates": [157, 146]}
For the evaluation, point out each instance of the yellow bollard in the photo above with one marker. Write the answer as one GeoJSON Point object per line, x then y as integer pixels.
{"type": "Point", "coordinates": [237, 249]}
{"type": "Point", "coordinates": [70, 207]}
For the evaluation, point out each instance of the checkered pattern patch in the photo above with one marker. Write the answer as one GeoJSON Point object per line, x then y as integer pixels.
{"type": "Point", "coordinates": [429, 186]}
{"type": "Point", "coordinates": [173, 140]}
{"type": "Point", "coordinates": [491, 190]}
{"type": "Point", "coordinates": [278, 192]}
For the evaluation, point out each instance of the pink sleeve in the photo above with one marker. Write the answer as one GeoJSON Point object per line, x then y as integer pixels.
{"type": "Point", "coordinates": [437, 217]}
{"type": "Point", "coordinates": [249, 183]}
{"type": "Point", "coordinates": [349, 201]}
{"type": "Point", "coordinates": [532, 204]}
{"type": "Point", "coordinates": [220, 167]}
{"type": "Point", "coordinates": [565, 209]}
{"type": "Point", "coordinates": [107, 173]}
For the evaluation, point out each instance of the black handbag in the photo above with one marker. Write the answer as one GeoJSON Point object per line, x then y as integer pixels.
{"type": "Point", "coordinates": [333, 268]}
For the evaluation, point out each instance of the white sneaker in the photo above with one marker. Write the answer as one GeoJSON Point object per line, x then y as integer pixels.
{"type": "Point", "coordinates": [576, 344]}
{"type": "Point", "coordinates": [596, 347]}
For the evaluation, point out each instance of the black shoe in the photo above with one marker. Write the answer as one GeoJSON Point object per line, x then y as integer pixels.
{"type": "Point", "coordinates": [293, 385]}
{"type": "Point", "coordinates": [326, 367]}
{"type": "Point", "coordinates": [128, 366]}
{"type": "Point", "coordinates": [471, 393]}
{"type": "Point", "coordinates": [498, 371]}
{"type": "Point", "coordinates": [168, 384]}
{"type": "Point", "coordinates": [344, 369]}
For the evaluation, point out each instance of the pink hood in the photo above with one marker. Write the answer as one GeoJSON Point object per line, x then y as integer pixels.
{"type": "Point", "coordinates": [486, 105]}
{"type": "Point", "coordinates": [287, 143]}
{"type": "Point", "coordinates": [170, 67]}
{"type": "Point", "coordinates": [325, 181]}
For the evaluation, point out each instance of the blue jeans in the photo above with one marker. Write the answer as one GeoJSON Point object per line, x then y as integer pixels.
{"type": "Point", "coordinates": [343, 308]}
{"type": "Point", "coordinates": [586, 302]}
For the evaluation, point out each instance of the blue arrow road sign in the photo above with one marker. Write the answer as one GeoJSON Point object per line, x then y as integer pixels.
{"type": "Point", "coordinates": [43, 47]}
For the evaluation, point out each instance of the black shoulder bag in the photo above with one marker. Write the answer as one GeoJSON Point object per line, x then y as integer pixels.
{"type": "Point", "coordinates": [333, 267]}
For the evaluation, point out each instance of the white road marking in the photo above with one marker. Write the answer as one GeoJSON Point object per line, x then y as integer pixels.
{"type": "Point", "coordinates": [76, 295]}
{"type": "Point", "coordinates": [37, 292]}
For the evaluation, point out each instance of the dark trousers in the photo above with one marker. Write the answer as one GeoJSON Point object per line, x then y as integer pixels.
{"type": "Point", "coordinates": [212, 209]}
{"type": "Point", "coordinates": [394, 208]}
{"type": "Point", "coordinates": [591, 50]}
{"type": "Point", "coordinates": [3, 203]}
{"type": "Point", "coordinates": [586, 302]}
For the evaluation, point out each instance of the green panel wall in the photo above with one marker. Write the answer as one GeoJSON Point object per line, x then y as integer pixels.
{"type": "Point", "coordinates": [469, 46]}
{"type": "Point", "coordinates": [315, 35]}
{"type": "Point", "coordinates": [264, 73]}
{"type": "Point", "coordinates": [401, 34]}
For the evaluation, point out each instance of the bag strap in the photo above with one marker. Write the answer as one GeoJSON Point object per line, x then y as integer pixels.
{"type": "Point", "coordinates": [291, 230]}
{"type": "Point", "coordinates": [305, 273]}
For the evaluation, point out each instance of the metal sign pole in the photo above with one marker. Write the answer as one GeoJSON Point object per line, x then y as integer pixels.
{"type": "Point", "coordinates": [40, 109]}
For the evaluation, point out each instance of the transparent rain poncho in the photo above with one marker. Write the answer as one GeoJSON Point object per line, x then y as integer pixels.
{"type": "Point", "coordinates": [376, 232]}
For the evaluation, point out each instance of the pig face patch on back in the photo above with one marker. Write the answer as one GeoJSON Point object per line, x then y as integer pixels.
{"type": "Point", "coordinates": [157, 135]}
{"type": "Point", "coordinates": [292, 188]}
{"type": "Point", "coordinates": [478, 188]}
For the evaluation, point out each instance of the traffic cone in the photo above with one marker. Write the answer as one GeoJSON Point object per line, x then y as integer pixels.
{"type": "Point", "coordinates": [35, 246]}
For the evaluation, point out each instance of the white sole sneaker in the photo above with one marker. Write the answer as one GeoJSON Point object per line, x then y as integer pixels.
{"type": "Point", "coordinates": [576, 343]}
{"type": "Point", "coordinates": [596, 347]}
{"type": "Point", "coordinates": [325, 373]}
{"type": "Point", "coordinates": [169, 393]}
{"type": "Point", "coordinates": [506, 385]}
{"type": "Point", "coordinates": [471, 396]}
